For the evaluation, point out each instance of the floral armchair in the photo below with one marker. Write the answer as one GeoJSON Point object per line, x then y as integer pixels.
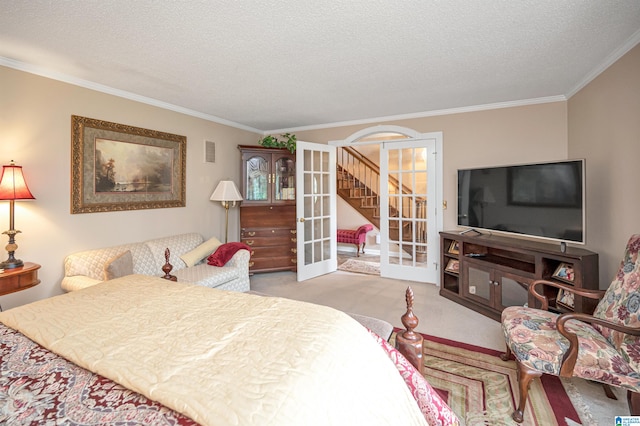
{"type": "Point", "coordinates": [603, 347]}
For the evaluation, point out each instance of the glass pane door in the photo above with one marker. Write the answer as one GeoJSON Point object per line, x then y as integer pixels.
{"type": "Point", "coordinates": [407, 181]}
{"type": "Point", "coordinates": [513, 293]}
{"type": "Point", "coordinates": [480, 285]}
{"type": "Point", "coordinates": [257, 183]}
{"type": "Point", "coordinates": [316, 209]}
{"type": "Point", "coordinates": [285, 179]}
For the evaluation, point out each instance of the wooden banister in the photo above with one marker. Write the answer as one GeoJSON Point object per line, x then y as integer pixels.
{"type": "Point", "coordinates": [376, 169]}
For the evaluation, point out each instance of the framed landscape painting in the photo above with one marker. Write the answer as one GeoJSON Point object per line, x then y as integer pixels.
{"type": "Point", "coordinates": [117, 167]}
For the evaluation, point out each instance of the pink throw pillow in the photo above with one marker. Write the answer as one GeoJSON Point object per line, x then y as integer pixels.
{"type": "Point", "coordinates": [225, 252]}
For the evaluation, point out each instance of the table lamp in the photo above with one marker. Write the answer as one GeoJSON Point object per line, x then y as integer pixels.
{"type": "Point", "coordinates": [13, 187]}
{"type": "Point", "coordinates": [226, 192]}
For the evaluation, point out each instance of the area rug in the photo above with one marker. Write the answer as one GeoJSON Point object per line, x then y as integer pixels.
{"type": "Point", "coordinates": [360, 267]}
{"type": "Point", "coordinates": [483, 390]}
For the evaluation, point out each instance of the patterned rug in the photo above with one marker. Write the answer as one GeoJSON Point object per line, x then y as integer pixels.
{"type": "Point", "coordinates": [360, 267]}
{"type": "Point", "coordinates": [482, 389]}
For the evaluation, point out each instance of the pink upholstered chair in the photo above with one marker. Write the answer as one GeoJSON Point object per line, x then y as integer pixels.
{"type": "Point", "coordinates": [603, 347]}
{"type": "Point", "coordinates": [357, 237]}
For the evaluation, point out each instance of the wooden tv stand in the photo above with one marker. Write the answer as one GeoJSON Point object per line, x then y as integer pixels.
{"type": "Point", "coordinates": [487, 273]}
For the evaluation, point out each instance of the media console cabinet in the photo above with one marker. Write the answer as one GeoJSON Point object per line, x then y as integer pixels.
{"type": "Point", "coordinates": [487, 273]}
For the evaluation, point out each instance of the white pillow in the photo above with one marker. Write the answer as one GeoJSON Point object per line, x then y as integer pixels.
{"type": "Point", "coordinates": [200, 252]}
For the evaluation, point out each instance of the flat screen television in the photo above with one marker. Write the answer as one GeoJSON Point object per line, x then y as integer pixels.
{"type": "Point", "coordinates": [545, 200]}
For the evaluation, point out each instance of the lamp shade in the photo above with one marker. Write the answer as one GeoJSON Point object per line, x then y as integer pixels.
{"type": "Point", "coordinates": [12, 184]}
{"type": "Point", "coordinates": [226, 191]}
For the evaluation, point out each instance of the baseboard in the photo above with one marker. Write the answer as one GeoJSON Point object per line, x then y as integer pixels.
{"type": "Point", "coordinates": [352, 250]}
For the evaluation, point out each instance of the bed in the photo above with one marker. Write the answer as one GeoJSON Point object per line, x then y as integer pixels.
{"type": "Point", "coordinates": [143, 350]}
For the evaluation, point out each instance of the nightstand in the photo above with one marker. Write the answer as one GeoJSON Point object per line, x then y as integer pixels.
{"type": "Point", "coordinates": [18, 279]}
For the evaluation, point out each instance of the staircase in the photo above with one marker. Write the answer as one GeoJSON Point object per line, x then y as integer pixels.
{"type": "Point", "coordinates": [358, 183]}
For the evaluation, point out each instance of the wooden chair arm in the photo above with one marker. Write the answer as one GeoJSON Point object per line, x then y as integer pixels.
{"type": "Point", "coordinates": [570, 357]}
{"type": "Point", "coordinates": [533, 289]}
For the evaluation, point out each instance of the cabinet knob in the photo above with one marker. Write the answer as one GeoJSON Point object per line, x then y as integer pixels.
{"type": "Point", "coordinates": [301, 219]}
{"type": "Point", "coordinates": [293, 231]}
{"type": "Point", "coordinates": [294, 250]}
{"type": "Point", "coordinates": [251, 264]}
{"type": "Point", "coordinates": [294, 260]}
{"type": "Point", "coordinates": [250, 242]}
{"type": "Point", "coordinates": [294, 240]}
{"type": "Point", "coordinates": [251, 234]}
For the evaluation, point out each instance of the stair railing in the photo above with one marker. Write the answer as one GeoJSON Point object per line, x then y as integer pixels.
{"type": "Point", "coordinates": [362, 177]}
{"type": "Point", "coordinates": [362, 174]}
{"type": "Point", "coordinates": [365, 175]}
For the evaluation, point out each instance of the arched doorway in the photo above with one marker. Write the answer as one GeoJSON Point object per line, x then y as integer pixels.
{"type": "Point", "coordinates": [409, 195]}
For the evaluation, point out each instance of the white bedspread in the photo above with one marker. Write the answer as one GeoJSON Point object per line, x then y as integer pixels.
{"type": "Point", "coordinates": [224, 358]}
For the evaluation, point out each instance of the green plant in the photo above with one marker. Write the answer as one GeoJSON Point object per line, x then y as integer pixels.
{"type": "Point", "coordinates": [286, 140]}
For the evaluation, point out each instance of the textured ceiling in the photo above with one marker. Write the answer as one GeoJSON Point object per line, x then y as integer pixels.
{"type": "Point", "coordinates": [275, 65]}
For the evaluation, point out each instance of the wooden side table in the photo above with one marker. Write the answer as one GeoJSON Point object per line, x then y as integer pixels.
{"type": "Point", "coordinates": [18, 279]}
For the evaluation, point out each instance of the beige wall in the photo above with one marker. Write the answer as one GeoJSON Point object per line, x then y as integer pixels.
{"type": "Point", "coordinates": [493, 137]}
{"type": "Point", "coordinates": [35, 131]}
{"type": "Point", "coordinates": [604, 128]}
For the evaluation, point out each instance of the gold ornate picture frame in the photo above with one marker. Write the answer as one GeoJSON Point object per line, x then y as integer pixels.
{"type": "Point", "coordinates": [115, 167]}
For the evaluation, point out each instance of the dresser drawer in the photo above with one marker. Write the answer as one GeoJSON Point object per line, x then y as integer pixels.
{"type": "Point", "coordinates": [267, 232]}
{"type": "Point", "coordinates": [268, 216]}
{"type": "Point", "coordinates": [266, 264]}
{"type": "Point", "coordinates": [275, 251]}
{"type": "Point", "coordinates": [265, 237]}
{"type": "Point", "coordinates": [270, 231]}
{"type": "Point", "coordinates": [269, 241]}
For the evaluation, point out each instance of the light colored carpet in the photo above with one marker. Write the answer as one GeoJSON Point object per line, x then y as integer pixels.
{"type": "Point", "coordinates": [385, 299]}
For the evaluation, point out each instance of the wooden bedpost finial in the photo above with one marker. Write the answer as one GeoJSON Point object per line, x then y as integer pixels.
{"type": "Point", "coordinates": [409, 320]}
{"type": "Point", "coordinates": [408, 342]}
{"type": "Point", "coordinates": [167, 267]}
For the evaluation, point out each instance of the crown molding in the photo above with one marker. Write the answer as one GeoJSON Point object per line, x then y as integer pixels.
{"type": "Point", "coordinates": [474, 108]}
{"type": "Point", "coordinates": [610, 60]}
{"type": "Point", "coordinates": [42, 72]}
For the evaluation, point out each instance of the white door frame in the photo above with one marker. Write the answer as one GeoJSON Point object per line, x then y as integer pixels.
{"type": "Point", "coordinates": [360, 138]}
{"type": "Point", "coordinates": [316, 229]}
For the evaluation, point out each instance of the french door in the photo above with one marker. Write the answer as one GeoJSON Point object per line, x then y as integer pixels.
{"type": "Point", "coordinates": [411, 207]}
{"type": "Point", "coordinates": [315, 209]}
{"type": "Point", "coordinates": [409, 224]}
